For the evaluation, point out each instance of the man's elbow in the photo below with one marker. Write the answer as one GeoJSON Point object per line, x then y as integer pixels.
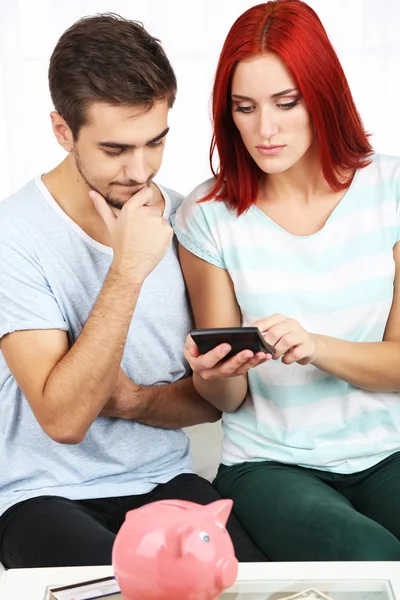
{"type": "Point", "coordinates": [62, 426]}
{"type": "Point", "coordinates": [64, 434]}
{"type": "Point", "coordinates": [68, 439]}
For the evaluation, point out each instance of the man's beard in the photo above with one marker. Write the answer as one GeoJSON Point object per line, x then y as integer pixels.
{"type": "Point", "coordinates": [111, 201]}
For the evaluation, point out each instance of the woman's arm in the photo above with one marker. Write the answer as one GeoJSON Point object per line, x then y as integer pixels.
{"type": "Point", "coordinates": [372, 366]}
{"type": "Point", "coordinates": [214, 304]}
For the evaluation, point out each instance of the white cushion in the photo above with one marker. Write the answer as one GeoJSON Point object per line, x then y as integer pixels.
{"type": "Point", "coordinates": [206, 448]}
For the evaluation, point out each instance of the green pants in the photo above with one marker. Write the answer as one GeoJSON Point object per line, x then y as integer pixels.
{"type": "Point", "coordinates": [298, 514]}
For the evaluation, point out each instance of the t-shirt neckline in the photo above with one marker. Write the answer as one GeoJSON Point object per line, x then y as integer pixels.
{"type": "Point", "coordinates": [338, 208]}
{"type": "Point", "coordinates": [78, 230]}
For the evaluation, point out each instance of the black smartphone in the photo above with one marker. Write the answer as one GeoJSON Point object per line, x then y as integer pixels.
{"type": "Point", "coordinates": [239, 338]}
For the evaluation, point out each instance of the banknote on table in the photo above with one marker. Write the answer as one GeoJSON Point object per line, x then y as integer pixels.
{"type": "Point", "coordinates": [308, 594]}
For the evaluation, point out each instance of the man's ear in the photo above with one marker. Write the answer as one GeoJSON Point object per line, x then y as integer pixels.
{"type": "Point", "coordinates": [62, 131]}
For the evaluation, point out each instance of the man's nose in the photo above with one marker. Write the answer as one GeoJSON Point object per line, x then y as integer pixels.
{"type": "Point", "coordinates": [136, 169]}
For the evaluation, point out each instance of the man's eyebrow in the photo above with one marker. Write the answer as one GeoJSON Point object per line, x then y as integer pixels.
{"type": "Point", "coordinates": [120, 146]}
{"type": "Point", "coordinates": [276, 95]}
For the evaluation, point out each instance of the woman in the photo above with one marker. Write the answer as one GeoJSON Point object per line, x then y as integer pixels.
{"type": "Point", "coordinates": [297, 234]}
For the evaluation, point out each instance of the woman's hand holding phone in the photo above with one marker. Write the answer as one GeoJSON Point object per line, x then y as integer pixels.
{"type": "Point", "coordinates": [212, 365]}
{"type": "Point", "coordinates": [282, 337]}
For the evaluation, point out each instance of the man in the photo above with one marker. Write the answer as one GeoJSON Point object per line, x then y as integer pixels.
{"type": "Point", "coordinates": [93, 315]}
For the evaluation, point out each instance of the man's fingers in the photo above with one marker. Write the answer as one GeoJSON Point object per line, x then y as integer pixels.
{"type": "Point", "coordinates": [104, 210]}
{"type": "Point", "coordinates": [152, 211]}
{"type": "Point", "coordinates": [144, 197]}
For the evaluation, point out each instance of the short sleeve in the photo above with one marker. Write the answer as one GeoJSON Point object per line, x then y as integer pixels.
{"type": "Point", "coordinates": [195, 228]}
{"type": "Point", "coordinates": [26, 298]}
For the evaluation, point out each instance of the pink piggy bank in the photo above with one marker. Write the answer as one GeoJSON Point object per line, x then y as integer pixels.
{"type": "Point", "coordinates": [175, 550]}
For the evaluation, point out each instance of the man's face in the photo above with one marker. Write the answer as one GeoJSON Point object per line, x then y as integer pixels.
{"type": "Point", "coordinates": [120, 149]}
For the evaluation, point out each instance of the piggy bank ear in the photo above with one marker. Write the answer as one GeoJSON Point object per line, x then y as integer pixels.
{"type": "Point", "coordinates": [175, 540]}
{"type": "Point", "coordinates": [221, 509]}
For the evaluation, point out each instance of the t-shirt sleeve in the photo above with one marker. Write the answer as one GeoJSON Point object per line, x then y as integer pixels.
{"type": "Point", "coordinates": [195, 228]}
{"type": "Point", "coordinates": [26, 298]}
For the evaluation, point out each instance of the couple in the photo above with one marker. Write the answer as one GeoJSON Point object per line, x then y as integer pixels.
{"type": "Point", "coordinates": [296, 233]}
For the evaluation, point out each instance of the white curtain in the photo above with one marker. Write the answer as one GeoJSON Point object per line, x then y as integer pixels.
{"type": "Point", "coordinates": [365, 34]}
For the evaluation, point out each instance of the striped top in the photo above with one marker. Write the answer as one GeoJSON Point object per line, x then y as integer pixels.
{"type": "Point", "coordinates": [336, 282]}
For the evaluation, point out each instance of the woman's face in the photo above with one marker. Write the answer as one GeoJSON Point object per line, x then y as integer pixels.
{"type": "Point", "coordinates": [270, 114]}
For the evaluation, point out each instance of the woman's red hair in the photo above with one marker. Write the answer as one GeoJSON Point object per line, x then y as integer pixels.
{"type": "Point", "coordinates": [293, 31]}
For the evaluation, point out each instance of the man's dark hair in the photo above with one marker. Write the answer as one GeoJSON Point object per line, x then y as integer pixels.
{"type": "Point", "coordinates": [106, 58]}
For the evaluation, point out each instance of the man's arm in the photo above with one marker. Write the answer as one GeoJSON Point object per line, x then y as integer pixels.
{"type": "Point", "coordinates": [171, 406]}
{"type": "Point", "coordinates": [68, 387]}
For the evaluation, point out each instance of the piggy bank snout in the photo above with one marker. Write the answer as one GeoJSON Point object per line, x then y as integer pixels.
{"type": "Point", "coordinates": [227, 570]}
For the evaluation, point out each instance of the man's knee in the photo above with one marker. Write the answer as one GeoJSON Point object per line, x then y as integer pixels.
{"type": "Point", "coordinates": [51, 531]}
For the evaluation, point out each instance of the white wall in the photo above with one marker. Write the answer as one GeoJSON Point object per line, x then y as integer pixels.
{"type": "Point", "coordinates": [365, 34]}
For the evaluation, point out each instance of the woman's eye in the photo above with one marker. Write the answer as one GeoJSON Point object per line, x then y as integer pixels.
{"type": "Point", "coordinates": [244, 109]}
{"type": "Point", "coordinates": [288, 105]}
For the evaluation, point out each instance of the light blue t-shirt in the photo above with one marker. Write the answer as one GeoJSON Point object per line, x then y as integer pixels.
{"type": "Point", "coordinates": [337, 282]}
{"type": "Point", "coordinates": [51, 273]}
